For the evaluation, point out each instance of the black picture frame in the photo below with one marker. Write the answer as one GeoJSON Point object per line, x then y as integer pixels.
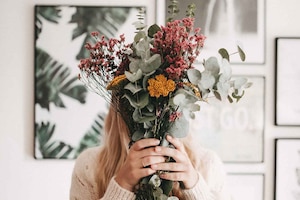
{"type": "Point", "coordinates": [287, 73]}
{"type": "Point", "coordinates": [287, 169]}
{"type": "Point", "coordinates": [245, 26]}
{"type": "Point", "coordinates": [67, 117]}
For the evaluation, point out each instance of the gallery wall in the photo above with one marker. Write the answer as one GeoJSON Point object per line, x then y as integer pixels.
{"type": "Point", "coordinates": [23, 177]}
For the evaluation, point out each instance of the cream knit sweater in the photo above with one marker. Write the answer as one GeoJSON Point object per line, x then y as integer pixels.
{"type": "Point", "coordinates": [209, 187]}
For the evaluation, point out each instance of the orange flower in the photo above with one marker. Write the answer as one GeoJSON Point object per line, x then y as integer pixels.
{"type": "Point", "coordinates": [160, 86]}
{"type": "Point", "coordinates": [116, 82]}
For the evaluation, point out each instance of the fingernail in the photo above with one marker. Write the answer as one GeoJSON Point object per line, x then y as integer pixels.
{"type": "Point", "coordinates": [158, 149]}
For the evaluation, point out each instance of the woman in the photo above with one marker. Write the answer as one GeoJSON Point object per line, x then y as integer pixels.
{"type": "Point", "coordinates": [112, 171]}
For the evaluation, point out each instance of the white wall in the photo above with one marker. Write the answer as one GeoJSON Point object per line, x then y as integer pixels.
{"type": "Point", "coordinates": [23, 177]}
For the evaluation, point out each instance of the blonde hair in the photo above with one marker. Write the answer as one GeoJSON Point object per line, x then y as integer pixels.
{"type": "Point", "coordinates": [115, 149]}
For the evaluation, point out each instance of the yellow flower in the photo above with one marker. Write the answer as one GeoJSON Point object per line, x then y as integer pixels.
{"type": "Point", "coordinates": [116, 82]}
{"type": "Point", "coordinates": [160, 86]}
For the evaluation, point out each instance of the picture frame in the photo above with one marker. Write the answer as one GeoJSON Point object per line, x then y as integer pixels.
{"type": "Point", "coordinates": [246, 186]}
{"type": "Point", "coordinates": [287, 169]}
{"type": "Point", "coordinates": [227, 24]}
{"type": "Point", "coordinates": [235, 131]}
{"type": "Point", "coordinates": [287, 96]}
{"type": "Point", "coordinates": [67, 117]}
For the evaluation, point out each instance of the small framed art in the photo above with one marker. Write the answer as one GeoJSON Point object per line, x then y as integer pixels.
{"type": "Point", "coordinates": [287, 169]}
{"type": "Point", "coordinates": [234, 130]}
{"type": "Point", "coordinates": [246, 186]}
{"type": "Point", "coordinates": [69, 118]}
{"type": "Point", "coordinates": [227, 23]}
{"type": "Point", "coordinates": [287, 95]}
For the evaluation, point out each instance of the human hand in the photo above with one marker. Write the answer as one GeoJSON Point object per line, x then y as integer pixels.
{"type": "Point", "coordinates": [141, 154]}
{"type": "Point", "coordinates": [180, 170]}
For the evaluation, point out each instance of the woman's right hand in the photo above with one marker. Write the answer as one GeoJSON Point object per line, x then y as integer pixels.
{"type": "Point", "coordinates": [140, 155]}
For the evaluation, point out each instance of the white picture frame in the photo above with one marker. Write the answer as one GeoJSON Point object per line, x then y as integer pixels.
{"type": "Point", "coordinates": [234, 130]}
{"type": "Point", "coordinates": [64, 125]}
{"type": "Point", "coordinates": [246, 186]}
{"type": "Point", "coordinates": [231, 22]}
{"type": "Point", "coordinates": [287, 83]}
{"type": "Point", "coordinates": [287, 169]}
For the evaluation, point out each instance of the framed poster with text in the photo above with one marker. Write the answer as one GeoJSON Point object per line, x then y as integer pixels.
{"type": "Point", "coordinates": [234, 130]}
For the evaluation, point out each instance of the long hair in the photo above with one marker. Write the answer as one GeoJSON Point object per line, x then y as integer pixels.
{"type": "Point", "coordinates": [115, 149]}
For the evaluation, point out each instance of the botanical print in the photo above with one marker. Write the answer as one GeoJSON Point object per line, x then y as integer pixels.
{"type": "Point", "coordinates": [68, 117]}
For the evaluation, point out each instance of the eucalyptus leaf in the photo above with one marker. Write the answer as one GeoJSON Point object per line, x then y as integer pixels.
{"type": "Point", "coordinates": [151, 64]}
{"type": "Point", "coordinates": [142, 101]}
{"type": "Point", "coordinates": [224, 53]}
{"type": "Point", "coordinates": [241, 53]}
{"type": "Point", "coordinates": [194, 76]}
{"type": "Point", "coordinates": [133, 88]}
{"type": "Point", "coordinates": [138, 117]}
{"type": "Point", "coordinates": [179, 128]}
{"type": "Point", "coordinates": [212, 65]}
{"type": "Point", "coordinates": [239, 82]}
{"type": "Point", "coordinates": [167, 186]}
{"type": "Point", "coordinates": [155, 180]}
{"type": "Point", "coordinates": [153, 29]}
{"type": "Point", "coordinates": [139, 36]}
{"type": "Point", "coordinates": [133, 77]}
{"type": "Point", "coordinates": [207, 80]}
{"type": "Point", "coordinates": [137, 135]}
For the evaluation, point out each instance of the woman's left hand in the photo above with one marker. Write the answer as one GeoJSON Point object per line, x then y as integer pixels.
{"type": "Point", "coordinates": [180, 170]}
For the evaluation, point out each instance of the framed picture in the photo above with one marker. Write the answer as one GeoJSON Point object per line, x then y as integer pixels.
{"type": "Point", "coordinates": [246, 186]}
{"type": "Point", "coordinates": [69, 118]}
{"type": "Point", "coordinates": [287, 83]}
{"type": "Point", "coordinates": [227, 23]}
{"type": "Point", "coordinates": [234, 130]}
{"type": "Point", "coordinates": [287, 169]}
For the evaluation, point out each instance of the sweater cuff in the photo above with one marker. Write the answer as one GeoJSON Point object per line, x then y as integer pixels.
{"type": "Point", "coordinates": [115, 191]}
{"type": "Point", "coordinates": [199, 192]}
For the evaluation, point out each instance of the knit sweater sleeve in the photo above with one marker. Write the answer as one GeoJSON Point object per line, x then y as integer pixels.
{"type": "Point", "coordinates": [211, 184]}
{"type": "Point", "coordinates": [84, 184]}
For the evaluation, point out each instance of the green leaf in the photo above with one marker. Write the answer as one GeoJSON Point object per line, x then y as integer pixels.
{"type": "Point", "coordinates": [151, 64]}
{"type": "Point", "coordinates": [133, 88]}
{"type": "Point", "coordinates": [212, 65]}
{"type": "Point", "coordinates": [139, 36]}
{"type": "Point", "coordinates": [133, 77]}
{"type": "Point", "coordinates": [194, 76]}
{"type": "Point", "coordinates": [224, 53]}
{"type": "Point", "coordinates": [153, 29]}
{"type": "Point", "coordinates": [217, 95]}
{"type": "Point", "coordinates": [142, 118]}
{"type": "Point", "coordinates": [179, 128]}
{"type": "Point", "coordinates": [51, 148]}
{"type": "Point", "coordinates": [54, 80]}
{"type": "Point", "coordinates": [167, 186]}
{"type": "Point", "coordinates": [137, 135]}
{"type": "Point", "coordinates": [241, 53]}
{"type": "Point", "coordinates": [140, 102]}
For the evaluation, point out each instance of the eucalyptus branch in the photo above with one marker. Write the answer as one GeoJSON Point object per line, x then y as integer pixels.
{"type": "Point", "coordinates": [190, 12]}
{"type": "Point", "coordinates": [173, 10]}
{"type": "Point", "coordinates": [140, 24]}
